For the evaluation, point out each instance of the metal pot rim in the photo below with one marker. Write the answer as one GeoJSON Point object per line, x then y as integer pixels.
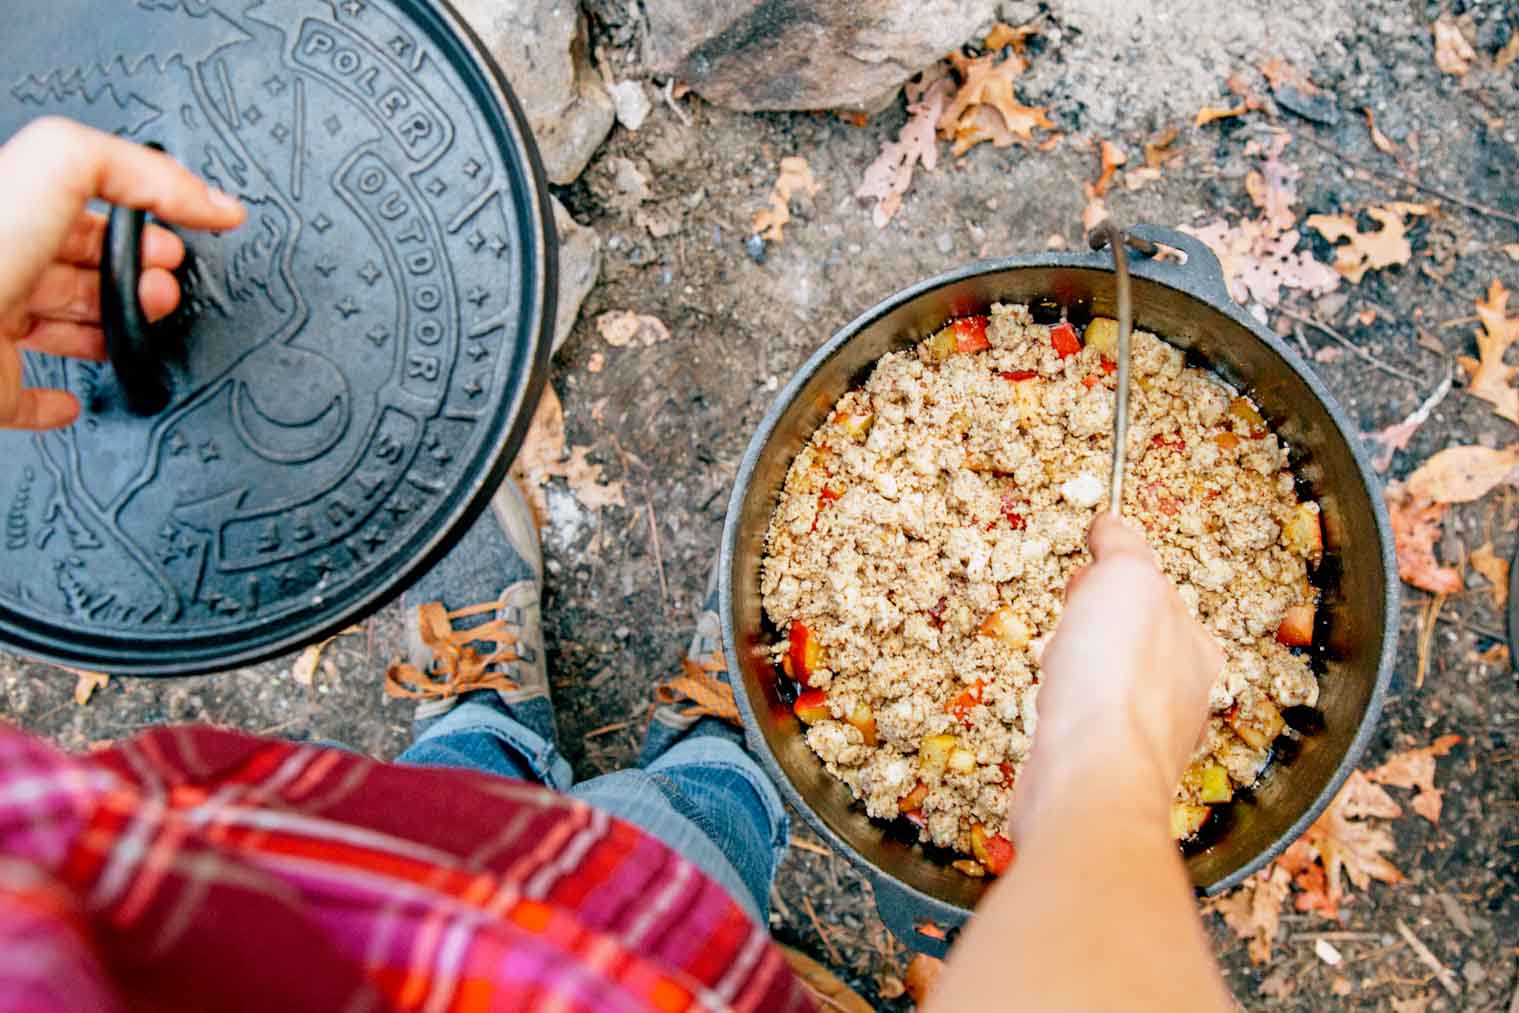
{"type": "Point", "coordinates": [1199, 279]}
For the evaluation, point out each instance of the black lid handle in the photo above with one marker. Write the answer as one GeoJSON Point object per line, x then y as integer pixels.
{"type": "Point", "coordinates": [128, 335]}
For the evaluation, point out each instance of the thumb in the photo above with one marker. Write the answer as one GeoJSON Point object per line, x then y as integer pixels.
{"type": "Point", "coordinates": [1110, 536]}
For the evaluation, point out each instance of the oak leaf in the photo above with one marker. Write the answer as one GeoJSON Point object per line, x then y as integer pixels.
{"type": "Point", "coordinates": [87, 683]}
{"type": "Point", "coordinates": [1342, 844]}
{"type": "Point", "coordinates": [1416, 526]}
{"type": "Point", "coordinates": [621, 328]}
{"type": "Point", "coordinates": [1462, 474]}
{"type": "Point", "coordinates": [303, 671]}
{"type": "Point", "coordinates": [1489, 374]}
{"type": "Point", "coordinates": [1112, 157]}
{"type": "Point", "coordinates": [1415, 768]}
{"type": "Point", "coordinates": [544, 456]}
{"type": "Point", "coordinates": [1254, 910]}
{"type": "Point", "coordinates": [888, 178]}
{"type": "Point", "coordinates": [1258, 263]}
{"type": "Point", "coordinates": [1366, 251]}
{"type": "Point", "coordinates": [795, 178]}
{"type": "Point", "coordinates": [985, 97]}
{"type": "Point", "coordinates": [1273, 189]}
{"type": "Point", "coordinates": [1495, 568]}
{"type": "Point", "coordinates": [1453, 54]}
{"type": "Point", "coordinates": [1006, 35]}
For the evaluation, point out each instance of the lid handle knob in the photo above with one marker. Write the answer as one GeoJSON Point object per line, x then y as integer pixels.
{"type": "Point", "coordinates": [129, 337]}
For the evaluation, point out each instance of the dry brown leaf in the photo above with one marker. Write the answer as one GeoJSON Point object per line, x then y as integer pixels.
{"type": "Point", "coordinates": [1496, 655]}
{"type": "Point", "coordinates": [1495, 568]}
{"type": "Point", "coordinates": [1006, 35]}
{"type": "Point", "coordinates": [1453, 54]}
{"type": "Point", "coordinates": [1366, 251]}
{"type": "Point", "coordinates": [1112, 157]}
{"type": "Point", "coordinates": [1416, 526]}
{"type": "Point", "coordinates": [1415, 768]}
{"type": "Point", "coordinates": [1343, 844]}
{"type": "Point", "coordinates": [1095, 211]}
{"type": "Point", "coordinates": [1258, 264]}
{"type": "Point", "coordinates": [985, 108]}
{"type": "Point", "coordinates": [890, 175]}
{"type": "Point", "coordinates": [1207, 114]}
{"type": "Point", "coordinates": [87, 683]}
{"type": "Point", "coordinates": [1159, 150]}
{"type": "Point", "coordinates": [543, 456]}
{"type": "Point", "coordinates": [1512, 249]}
{"type": "Point", "coordinates": [795, 179]}
{"type": "Point", "coordinates": [1419, 1003]}
{"type": "Point", "coordinates": [1281, 74]}
{"type": "Point", "coordinates": [1395, 437]}
{"type": "Point", "coordinates": [1489, 374]}
{"type": "Point", "coordinates": [1254, 910]}
{"type": "Point", "coordinates": [1274, 189]}
{"type": "Point", "coordinates": [1378, 138]}
{"type": "Point", "coordinates": [304, 669]}
{"type": "Point", "coordinates": [922, 974]}
{"type": "Point", "coordinates": [1508, 54]}
{"type": "Point", "coordinates": [621, 328]}
{"type": "Point", "coordinates": [1462, 474]}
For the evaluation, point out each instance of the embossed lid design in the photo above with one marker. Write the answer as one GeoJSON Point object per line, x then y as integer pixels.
{"type": "Point", "coordinates": [359, 355]}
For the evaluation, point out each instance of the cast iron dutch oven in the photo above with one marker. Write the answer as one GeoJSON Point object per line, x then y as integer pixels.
{"type": "Point", "coordinates": [352, 370]}
{"type": "Point", "coordinates": [1189, 304]}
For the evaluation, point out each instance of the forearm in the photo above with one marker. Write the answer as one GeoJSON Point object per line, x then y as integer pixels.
{"type": "Point", "coordinates": [1096, 913]}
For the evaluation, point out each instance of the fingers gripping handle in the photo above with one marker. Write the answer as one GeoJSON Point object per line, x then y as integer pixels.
{"type": "Point", "coordinates": [139, 365]}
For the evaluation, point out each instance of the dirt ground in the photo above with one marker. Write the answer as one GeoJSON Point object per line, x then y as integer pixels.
{"type": "Point", "coordinates": [671, 421]}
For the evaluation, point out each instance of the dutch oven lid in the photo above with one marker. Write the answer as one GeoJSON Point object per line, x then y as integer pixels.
{"type": "Point", "coordinates": [357, 363]}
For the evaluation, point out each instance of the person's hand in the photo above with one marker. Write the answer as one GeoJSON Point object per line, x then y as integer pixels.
{"type": "Point", "coordinates": [50, 247]}
{"type": "Point", "coordinates": [1123, 684]}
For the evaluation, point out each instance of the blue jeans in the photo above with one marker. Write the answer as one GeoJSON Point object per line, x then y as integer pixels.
{"type": "Point", "coordinates": [704, 797]}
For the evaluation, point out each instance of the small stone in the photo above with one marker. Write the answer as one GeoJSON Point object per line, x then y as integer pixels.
{"type": "Point", "coordinates": [1474, 972]}
{"type": "Point", "coordinates": [579, 267]}
{"type": "Point", "coordinates": [944, 242]}
{"type": "Point", "coordinates": [631, 102]}
{"type": "Point", "coordinates": [755, 247]}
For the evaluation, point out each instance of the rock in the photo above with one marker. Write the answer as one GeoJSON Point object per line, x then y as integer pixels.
{"type": "Point", "coordinates": [804, 54]}
{"type": "Point", "coordinates": [631, 102]}
{"type": "Point", "coordinates": [543, 51]}
{"type": "Point", "coordinates": [579, 266]}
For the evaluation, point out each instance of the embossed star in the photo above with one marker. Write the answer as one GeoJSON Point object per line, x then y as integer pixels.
{"type": "Point", "coordinates": [400, 45]}
{"type": "Point", "coordinates": [275, 85]}
{"type": "Point", "coordinates": [326, 266]}
{"type": "Point", "coordinates": [477, 351]}
{"type": "Point", "coordinates": [325, 566]}
{"type": "Point", "coordinates": [437, 450]}
{"type": "Point", "coordinates": [252, 115]}
{"type": "Point", "coordinates": [353, 8]}
{"type": "Point", "coordinates": [347, 306]}
{"type": "Point", "coordinates": [400, 507]}
{"type": "Point", "coordinates": [473, 388]}
{"type": "Point", "coordinates": [321, 223]}
{"type": "Point", "coordinates": [378, 335]}
{"type": "Point", "coordinates": [436, 187]}
{"type": "Point", "coordinates": [476, 240]}
{"type": "Point", "coordinates": [280, 132]}
{"type": "Point", "coordinates": [209, 452]}
{"type": "Point", "coordinates": [472, 168]}
{"type": "Point", "coordinates": [370, 272]}
{"type": "Point", "coordinates": [333, 125]}
{"type": "Point", "coordinates": [498, 246]}
{"type": "Point", "coordinates": [177, 443]}
{"type": "Point", "coordinates": [374, 538]}
{"type": "Point", "coordinates": [477, 295]}
{"type": "Point", "coordinates": [284, 575]}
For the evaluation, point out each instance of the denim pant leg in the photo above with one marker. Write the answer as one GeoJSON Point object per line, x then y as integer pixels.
{"type": "Point", "coordinates": [704, 798]}
{"type": "Point", "coordinates": [707, 800]}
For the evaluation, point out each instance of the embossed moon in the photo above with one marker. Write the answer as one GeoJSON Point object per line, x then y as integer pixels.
{"type": "Point", "coordinates": [296, 410]}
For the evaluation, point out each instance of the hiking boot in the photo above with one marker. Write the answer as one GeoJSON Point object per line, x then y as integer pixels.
{"type": "Point", "coordinates": [474, 622]}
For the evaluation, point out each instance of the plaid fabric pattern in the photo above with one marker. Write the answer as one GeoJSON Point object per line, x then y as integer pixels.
{"type": "Point", "coordinates": [197, 869]}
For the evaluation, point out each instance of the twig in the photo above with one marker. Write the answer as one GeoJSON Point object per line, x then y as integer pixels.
{"type": "Point", "coordinates": [1430, 960]}
{"type": "Point", "coordinates": [1354, 348]}
{"type": "Point", "coordinates": [615, 726]}
{"type": "Point", "coordinates": [838, 961]}
{"type": "Point", "coordinates": [659, 559]}
{"type": "Point", "coordinates": [1467, 624]}
{"type": "Point", "coordinates": [1302, 343]}
{"type": "Point", "coordinates": [1338, 936]}
{"type": "Point", "coordinates": [806, 845]}
{"type": "Point", "coordinates": [1481, 209]}
{"type": "Point", "coordinates": [1426, 634]}
{"type": "Point", "coordinates": [669, 93]}
{"type": "Point", "coordinates": [1458, 321]}
{"type": "Point", "coordinates": [777, 902]}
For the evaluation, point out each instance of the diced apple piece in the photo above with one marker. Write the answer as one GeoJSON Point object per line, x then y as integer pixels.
{"type": "Point", "coordinates": [1028, 399]}
{"type": "Point", "coordinates": [1102, 334]}
{"type": "Point", "coordinates": [1064, 340]}
{"type": "Point", "coordinates": [1226, 441]}
{"type": "Point", "coordinates": [863, 718]}
{"type": "Point", "coordinates": [992, 850]}
{"type": "Point", "coordinates": [1003, 625]}
{"type": "Point", "coordinates": [913, 800]}
{"type": "Point", "coordinates": [1215, 784]}
{"type": "Point", "coordinates": [1296, 629]}
{"type": "Point", "coordinates": [970, 334]}
{"type": "Point", "coordinates": [916, 818]}
{"type": "Point", "coordinates": [941, 346]}
{"type": "Point", "coordinates": [856, 424]}
{"type": "Point", "coordinates": [812, 707]}
{"type": "Point", "coordinates": [1261, 726]}
{"type": "Point", "coordinates": [962, 761]}
{"type": "Point", "coordinates": [1303, 534]}
{"type": "Point", "coordinates": [1019, 375]}
{"type": "Point", "coordinates": [1187, 819]}
{"type": "Point", "coordinates": [804, 654]}
{"type": "Point", "coordinates": [969, 867]}
{"type": "Point", "coordinates": [933, 754]}
{"type": "Point", "coordinates": [1242, 409]}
